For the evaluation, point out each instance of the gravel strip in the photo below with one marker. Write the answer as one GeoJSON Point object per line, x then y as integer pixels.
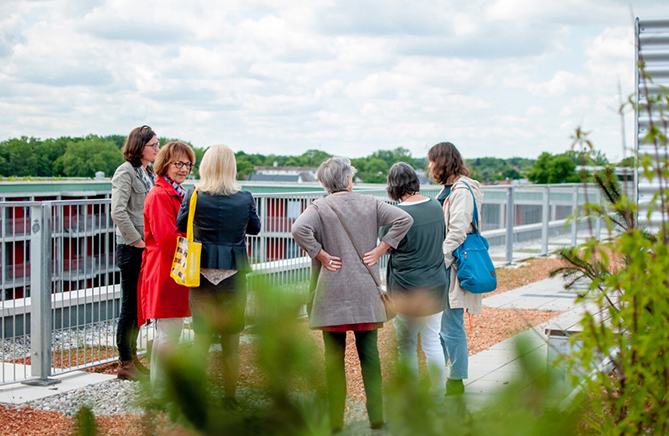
{"type": "Point", "coordinates": [113, 397]}
{"type": "Point", "coordinates": [93, 335]}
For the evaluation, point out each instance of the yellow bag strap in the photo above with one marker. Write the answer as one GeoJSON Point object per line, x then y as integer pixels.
{"type": "Point", "coordinates": [191, 215]}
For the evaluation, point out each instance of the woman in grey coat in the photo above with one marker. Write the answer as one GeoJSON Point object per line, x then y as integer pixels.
{"type": "Point", "coordinates": [131, 182]}
{"type": "Point", "coordinates": [345, 296]}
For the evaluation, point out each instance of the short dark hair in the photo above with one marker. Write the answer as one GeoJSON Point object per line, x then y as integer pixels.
{"type": "Point", "coordinates": [167, 154]}
{"type": "Point", "coordinates": [447, 162]}
{"type": "Point", "coordinates": [402, 179]}
{"type": "Point", "coordinates": [134, 144]}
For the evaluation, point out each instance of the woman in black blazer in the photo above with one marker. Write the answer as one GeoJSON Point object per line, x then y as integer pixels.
{"type": "Point", "coordinates": [224, 215]}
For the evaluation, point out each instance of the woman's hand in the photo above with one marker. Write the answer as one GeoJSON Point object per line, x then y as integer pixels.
{"type": "Point", "coordinates": [373, 256]}
{"type": "Point", "coordinates": [330, 263]}
{"type": "Point", "coordinates": [140, 244]}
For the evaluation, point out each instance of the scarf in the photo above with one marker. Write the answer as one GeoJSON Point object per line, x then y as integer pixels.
{"type": "Point", "coordinates": [177, 187]}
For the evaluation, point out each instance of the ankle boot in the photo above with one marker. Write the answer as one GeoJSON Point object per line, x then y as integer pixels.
{"type": "Point", "coordinates": [128, 371]}
{"type": "Point", "coordinates": [138, 364]}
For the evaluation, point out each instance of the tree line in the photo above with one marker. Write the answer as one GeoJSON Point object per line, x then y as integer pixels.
{"type": "Point", "coordinates": [86, 155]}
{"type": "Point", "coordinates": [65, 156]}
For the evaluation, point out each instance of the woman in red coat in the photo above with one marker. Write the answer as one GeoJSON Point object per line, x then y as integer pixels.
{"type": "Point", "coordinates": [161, 299]}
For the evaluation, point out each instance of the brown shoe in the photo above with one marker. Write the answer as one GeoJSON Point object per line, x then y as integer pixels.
{"type": "Point", "coordinates": [128, 371]}
{"type": "Point", "coordinates": [138, 364]}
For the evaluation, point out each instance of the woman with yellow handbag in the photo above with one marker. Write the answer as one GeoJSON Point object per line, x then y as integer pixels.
{"type": "Point", "coordinates": [161, 299]}
{"type": "Point", "coordinates": [223, 217]}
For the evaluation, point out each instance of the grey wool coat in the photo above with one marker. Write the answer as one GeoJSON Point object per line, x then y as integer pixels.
{"type": "Point", "coordinates": [348, 295]}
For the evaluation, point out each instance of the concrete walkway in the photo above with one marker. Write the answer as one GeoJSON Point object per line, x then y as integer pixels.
{"type": "Point", "coordinates": [499, 365]}
{"type": "Point", "coordinates": [488, 370]}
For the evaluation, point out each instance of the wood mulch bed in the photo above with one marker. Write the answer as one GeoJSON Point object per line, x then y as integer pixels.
{"type": "Point", "coordinates": [492, 327]}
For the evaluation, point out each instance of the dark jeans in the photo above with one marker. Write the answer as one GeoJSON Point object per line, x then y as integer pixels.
{"type": "Point", "coordinates": [129, 261]}
{"type": "Point", "coordinates": [335, 348]}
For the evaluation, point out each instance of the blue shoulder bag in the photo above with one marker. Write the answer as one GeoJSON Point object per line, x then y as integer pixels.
{"type": "Point", "coordinates": [474, 266]}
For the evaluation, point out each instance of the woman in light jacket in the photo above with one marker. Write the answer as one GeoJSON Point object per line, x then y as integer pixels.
{"type": "Point", "coordinates": [447, 167]}
{"type": "Point", "coordinates": [161, 299]}
{"type": "Point", "coordinates": [345, 296]}
{"type": "Point", "coordinates": [130, 184]}
{"type": "Point", "coordinates": [224, 215]}
{"type": "Point", "coordinates": [416, 278]}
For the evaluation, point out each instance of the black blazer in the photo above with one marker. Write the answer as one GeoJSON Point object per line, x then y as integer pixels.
{"type": "Point", "coordinates": [220, 224]}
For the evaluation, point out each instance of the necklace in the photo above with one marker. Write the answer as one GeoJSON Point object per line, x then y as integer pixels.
{"type": "Point", "coordinates": [412, 195]}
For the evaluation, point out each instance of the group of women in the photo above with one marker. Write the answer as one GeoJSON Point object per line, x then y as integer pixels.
{"type": "Point", "coordinates": [345, 233]}
{"type": "Point", "coordinates": [151, 209]}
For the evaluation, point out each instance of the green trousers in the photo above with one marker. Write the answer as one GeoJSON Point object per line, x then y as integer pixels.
{"type": "Point", "coordinates": [368, 352]}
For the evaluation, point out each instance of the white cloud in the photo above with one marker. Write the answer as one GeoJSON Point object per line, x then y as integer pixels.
{"type": "Point", "coordinates": [497, 77]}
{"type": "Point", "coordinates": [535, 111]}
{"type": "Point", "coordinates": [558, 86]}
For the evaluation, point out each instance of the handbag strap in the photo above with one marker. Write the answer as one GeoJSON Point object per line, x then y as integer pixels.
{"type": "Point", "coordinates": [475, 220]}
{"type": "Point", "coordinates": [371, 273]}
{"type": "Point", "coordinates": [191, 216]}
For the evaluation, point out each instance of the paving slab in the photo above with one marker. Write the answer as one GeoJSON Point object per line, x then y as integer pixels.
{"type": "Point", "coordinates": [547, 294]}
{"type": "Point", "coordinates": [19, 394]}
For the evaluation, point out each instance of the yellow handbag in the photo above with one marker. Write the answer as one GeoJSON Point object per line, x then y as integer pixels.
{"type": "Point", "coordinates": [186, 263]}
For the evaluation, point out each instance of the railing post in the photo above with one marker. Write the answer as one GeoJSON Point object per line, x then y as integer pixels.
{"type": "Point", "coordinates": [574, 223]}
{"type": "Point", "coordinates": [264, 218]}
{"type": "Point", "coordinates": [545, 218]}
{"type": "Point", "coordinates": [598, 220]}
{"type": "Point", "coordinates": [40, 295]}
{"type": "Point", "coordinates": [510, 212]}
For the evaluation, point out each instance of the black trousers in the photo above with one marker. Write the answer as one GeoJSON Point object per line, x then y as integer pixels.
{"type": "Point", "coordinates": [368, 352]}
{"type": "Point", "coordinates": [129, 261]}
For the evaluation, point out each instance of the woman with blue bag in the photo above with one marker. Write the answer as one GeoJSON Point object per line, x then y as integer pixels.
{"type": "Point", "coordinates": [459, 197]}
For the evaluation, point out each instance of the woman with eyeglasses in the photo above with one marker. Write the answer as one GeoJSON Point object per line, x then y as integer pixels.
{"type": "Point", "coordinates": [131, 182]}
{"type": "Point", "coordinates": [161, 299]}
{"type": "Point", "coordinates": [223, 217]}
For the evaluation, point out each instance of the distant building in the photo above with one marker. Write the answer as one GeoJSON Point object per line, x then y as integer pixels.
{"type": "Point", "coordinates": [623, 173]}
{"type": "Point", "coordinates": [284, 174]}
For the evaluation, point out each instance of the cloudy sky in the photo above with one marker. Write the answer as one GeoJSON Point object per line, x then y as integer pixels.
{"type": "Point", "coordinates": [495, 77]}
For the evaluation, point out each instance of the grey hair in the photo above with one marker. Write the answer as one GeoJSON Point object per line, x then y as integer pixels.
{"type": "Point", "coordinates": [332, 173]}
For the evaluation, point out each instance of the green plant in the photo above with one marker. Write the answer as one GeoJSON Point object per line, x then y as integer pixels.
{"type": "Point", "coordinates": [622, 357]}
{"type": "Point", "coordinates": [85, 422]}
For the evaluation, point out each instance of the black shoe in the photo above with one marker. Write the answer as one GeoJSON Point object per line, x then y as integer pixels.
{"type": "Point", "coordinates": [454, 387]}
{"type": "Point", "coordinates": [377, 425]}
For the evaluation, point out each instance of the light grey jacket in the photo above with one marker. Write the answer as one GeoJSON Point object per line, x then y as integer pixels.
{"type": "Point", "coordinates": [127, 209]}
{"type": "Point", "coordinates": [458, 215]}
{"type": "Point", "coordinates": [349, 295]}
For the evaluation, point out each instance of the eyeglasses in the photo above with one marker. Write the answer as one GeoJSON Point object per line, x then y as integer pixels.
{"type": "Point", "coordinates": [180, 165]}
{"type": "Point", "coordinates": [155, 145]}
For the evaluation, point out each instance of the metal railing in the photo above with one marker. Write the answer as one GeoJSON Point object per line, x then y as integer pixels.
{"type": "Point", "coordinates": [60, 293]}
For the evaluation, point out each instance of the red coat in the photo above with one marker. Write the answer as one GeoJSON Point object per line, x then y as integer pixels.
{"type": "Point", "coordinates": [159, 295]}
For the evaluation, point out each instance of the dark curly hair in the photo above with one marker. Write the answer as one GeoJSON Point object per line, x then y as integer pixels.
{"type": "Point", "coordinates": [447, 162]}
{"type": "Point", "coordinates": [134, 144]}
{"type": "Point", "coordinates": [402, 179]}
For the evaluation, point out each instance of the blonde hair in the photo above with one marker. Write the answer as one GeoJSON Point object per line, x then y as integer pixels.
{"type": "Point", "coordinates": [218, 171]}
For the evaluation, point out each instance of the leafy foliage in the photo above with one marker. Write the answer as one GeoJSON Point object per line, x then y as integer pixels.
{"type": "Point", "coordinates": [292, 399]}
{"type": "Point", "coordinates": [549, 168]}
{"type": "Point", "coordinates": [492, 169]}
{"type": "Point", "coordinates": [84, 158]}
{"type": "Point", "coordinates": [621, 358]}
